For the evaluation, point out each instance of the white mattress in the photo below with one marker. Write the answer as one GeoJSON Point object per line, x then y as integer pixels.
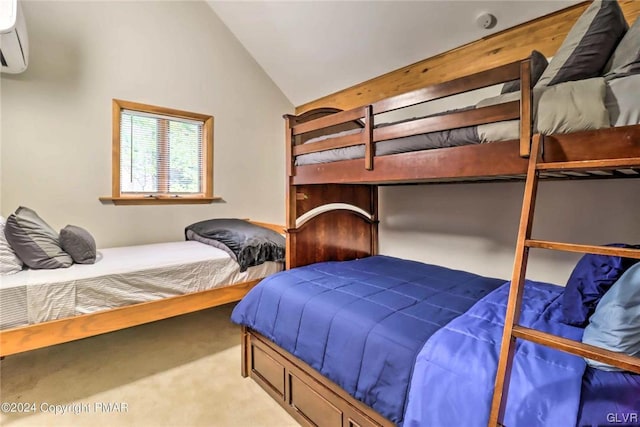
{"type": "Point", "coordinates": [120, 276]}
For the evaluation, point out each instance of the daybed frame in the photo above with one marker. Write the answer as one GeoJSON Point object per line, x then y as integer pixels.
{"type": "Point", "coordinates": [332, 208]}
{"type": "Point", "coordinates": [31, 337]}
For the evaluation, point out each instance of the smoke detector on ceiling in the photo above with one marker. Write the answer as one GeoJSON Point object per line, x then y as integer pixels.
{"type": "Point", "coordinates": [486, 20]}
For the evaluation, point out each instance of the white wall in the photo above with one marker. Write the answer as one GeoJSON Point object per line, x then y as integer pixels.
{"type": "Point", "coordinates": [56, 117]}
{"type": "Point", "coordinates": [473, 226]}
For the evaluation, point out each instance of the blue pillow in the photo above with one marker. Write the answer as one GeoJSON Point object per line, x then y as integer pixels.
{"type": "Point", "coordinates": [590, 279]}
{"type": "Point", "coordinates": [615, 325]}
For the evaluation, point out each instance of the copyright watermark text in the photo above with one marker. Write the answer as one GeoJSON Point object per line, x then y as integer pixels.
{"type": "Point", "coordinates": [623, 417]}
{"type": "Point", "coordinates": [66, 408]}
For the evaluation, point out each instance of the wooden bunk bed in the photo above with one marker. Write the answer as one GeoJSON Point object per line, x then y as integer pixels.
{"type": "Point", "coordinates": [332, 215]}
{"type": "Point", "coordinates": [39, 335]}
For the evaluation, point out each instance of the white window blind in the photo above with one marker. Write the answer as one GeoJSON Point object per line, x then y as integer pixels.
{"type": "Point", "coordinates": [160, 154]}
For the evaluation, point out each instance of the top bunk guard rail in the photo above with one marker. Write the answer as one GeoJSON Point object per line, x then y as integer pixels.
{"type": "Point", "coordinates": [502, 74]}
{"type": "Point", "coordinates": [333, 119]}
{"type": "Point", "coordinates": [363, 137]}
{"type": "Point", "coordinates": [363, 117]}
{"type": "Point", "coordinates": [478, 116]}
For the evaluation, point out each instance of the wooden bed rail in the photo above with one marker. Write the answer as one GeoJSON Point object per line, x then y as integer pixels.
{"type": "Point", "coordinates": [280, 229]}
{"type": "Point", "coordinates": [365, 136]}
{"type": "Point", "coordinates": [368, 135]}
{"type": "Point", "coordinates": [502, 74]}
{"type": "Point", "coordinates": [333, 119]}
{"type": "Point", "coordinates": [477, 116]}
{"type": "Point", "coordinates": [39, 335]}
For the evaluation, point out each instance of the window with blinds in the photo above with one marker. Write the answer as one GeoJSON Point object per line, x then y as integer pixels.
{"type": "Point", "coordinates": [160, 153]}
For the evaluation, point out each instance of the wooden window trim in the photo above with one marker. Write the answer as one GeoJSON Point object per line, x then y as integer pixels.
{"type": "Point", "coordinates": [207, 171]}
{"type": "Point", "coordinates": [159, 200]}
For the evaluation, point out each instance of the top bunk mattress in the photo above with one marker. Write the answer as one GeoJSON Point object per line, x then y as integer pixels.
{"type": "Point", "coordinates": [121, 276]}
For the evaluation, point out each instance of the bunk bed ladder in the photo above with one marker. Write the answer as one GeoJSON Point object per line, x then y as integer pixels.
{"type": "Point", "coordinates": [512, 330]}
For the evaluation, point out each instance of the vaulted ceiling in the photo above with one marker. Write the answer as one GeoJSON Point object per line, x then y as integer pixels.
{"type": "Point", "coordinates": [314, 48]}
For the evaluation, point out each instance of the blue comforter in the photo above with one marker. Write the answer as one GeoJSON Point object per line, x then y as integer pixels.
{"type": "Point", "coordinates": [609, 399]}
{"type": "Point", "coordinates": [361, 323]}
{"type": "Point", "coordinates": [462, 360]}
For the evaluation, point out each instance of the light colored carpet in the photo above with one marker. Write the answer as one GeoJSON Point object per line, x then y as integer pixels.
{"type": "Point", "coordinates": [183, 372]}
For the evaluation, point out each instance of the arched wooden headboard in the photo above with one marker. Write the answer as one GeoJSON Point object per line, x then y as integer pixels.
{"type": "Point", "coordinates": [335, 222]}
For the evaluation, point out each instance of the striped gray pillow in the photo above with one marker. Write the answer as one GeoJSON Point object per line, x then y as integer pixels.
{"type": "Point", "coordinates": [588, 46]}
{"type": "Point", "coordinates": [9, 261]}
{"type": "Point", "coordinates": [35, 242]}
{"type": "Point", "coordinates": [625, 61]}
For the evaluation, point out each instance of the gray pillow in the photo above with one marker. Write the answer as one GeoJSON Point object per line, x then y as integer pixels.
{"type": "Point", "coordinates": [622, 100]}
{"type": "Point", "coordinates": [34, 241]}
{"type": "Point", "coordinates": [626, 59]}
{"type": "Point", "coordinates": [190, 235]}
{"type": "Point", "coordinates": [538, 65]}
{"type": "Point", "coordinates": [614, 325]}
{"type": "Point", "coordinates": [79, 243]}
{"type": "Point", "coordinates": [588, 46]}
{"type": "Point", "coordinates": [572, 107]}
{"type": "Point", "coordinates": [251, 244]}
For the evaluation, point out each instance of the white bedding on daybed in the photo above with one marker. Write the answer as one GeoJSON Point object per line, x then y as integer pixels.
{"type": "Point", "coordinates": [120, 276]}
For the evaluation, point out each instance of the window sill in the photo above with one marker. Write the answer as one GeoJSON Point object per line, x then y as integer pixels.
{"type": "Point", "coordinates": [159, 200]}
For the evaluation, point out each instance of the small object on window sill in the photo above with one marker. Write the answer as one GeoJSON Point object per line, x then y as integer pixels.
{"type": "Point", "coordinates": [151, 199]}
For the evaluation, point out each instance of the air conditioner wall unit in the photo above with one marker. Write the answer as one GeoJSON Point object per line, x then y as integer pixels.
{"type": "Point", "coordinates": [14, 43]}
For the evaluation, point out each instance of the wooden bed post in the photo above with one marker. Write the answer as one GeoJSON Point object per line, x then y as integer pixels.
{"type": "Point", "coordinates": [290, 206]}
{"type": "Point", "coordinates": [367, 139]}
{"type": "Point", "coordinates": [245, 347]}
{"type": "Point", "coordinates": [376, 220]}
{"type": "Point", "coordinates": [289, 123]}
{"type": "Point", "coordinates": [525, 108]}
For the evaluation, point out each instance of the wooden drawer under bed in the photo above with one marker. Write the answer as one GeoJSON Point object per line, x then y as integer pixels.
{"type": "Point", "coordinates": [309, 397]}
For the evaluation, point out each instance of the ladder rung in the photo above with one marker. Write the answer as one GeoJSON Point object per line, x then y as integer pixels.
{"type": "Point", "coordinates": [629, 162]}
{"type": "Point", "coordinates": [621, 360]}
{"type": "Point", "coordinates": [585, 249]}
